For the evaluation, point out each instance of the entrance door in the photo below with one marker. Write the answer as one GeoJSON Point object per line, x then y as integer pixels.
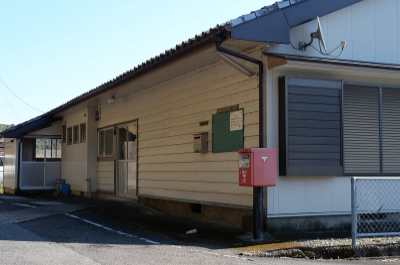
{"type": "Point", "coordinates": [126, 160]}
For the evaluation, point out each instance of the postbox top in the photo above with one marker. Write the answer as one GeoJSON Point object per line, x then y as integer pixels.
{"type": "Point", "coordinates": [245, 151]}
{"type": "Point", "coordinates": [255, 150]}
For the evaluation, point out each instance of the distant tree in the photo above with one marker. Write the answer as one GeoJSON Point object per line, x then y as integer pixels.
{"type": "Point", "coordinates": [5, 127]}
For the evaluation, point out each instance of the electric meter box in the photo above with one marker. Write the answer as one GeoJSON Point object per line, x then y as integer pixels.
{"type": "Point", "coordinates": [257, 167]}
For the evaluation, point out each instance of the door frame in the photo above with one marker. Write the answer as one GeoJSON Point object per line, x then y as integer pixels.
{"type": "Point", "coordinates": [116, 161]}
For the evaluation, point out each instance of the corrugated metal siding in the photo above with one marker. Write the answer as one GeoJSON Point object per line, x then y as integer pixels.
{"type": "Point", "coordinates": [361, 112]}
{"type": "Point", "coordinates": [391, 129]}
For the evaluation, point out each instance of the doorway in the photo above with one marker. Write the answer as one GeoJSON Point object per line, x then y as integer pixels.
{"type": "Point", "coordinates": [127, 160]}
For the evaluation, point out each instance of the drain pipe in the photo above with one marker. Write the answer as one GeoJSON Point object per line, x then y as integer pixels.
{"type": "Point", "coordinates": [88, 187]}
{"type": "Point", "coordinates": [19, 163]}
{"type": "Point", "coordinates": [257, 191]}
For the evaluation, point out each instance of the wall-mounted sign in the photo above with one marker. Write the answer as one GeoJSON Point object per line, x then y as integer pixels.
{"type": "Point", "coordinates": [227, 131]}
{"type": "Point", "coordinates": [236, 120]}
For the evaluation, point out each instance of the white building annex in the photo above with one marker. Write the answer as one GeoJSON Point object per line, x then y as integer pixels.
{"type": "Point", "coordinates": [330, 117]}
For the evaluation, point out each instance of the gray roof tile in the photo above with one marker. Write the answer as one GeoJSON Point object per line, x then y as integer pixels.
{"type": "Point", "coordinates": [261, 12]}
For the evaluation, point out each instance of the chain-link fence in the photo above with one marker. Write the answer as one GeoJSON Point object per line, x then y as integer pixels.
{"type": "Point", "coordinates": [375, 207]}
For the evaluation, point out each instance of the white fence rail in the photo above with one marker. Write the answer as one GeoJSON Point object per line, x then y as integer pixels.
{"type": "Point", "coordinates": [375, 207]}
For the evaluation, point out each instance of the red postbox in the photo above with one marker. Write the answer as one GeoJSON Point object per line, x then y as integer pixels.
{"type": "Point", "coordinates": [257, 167]}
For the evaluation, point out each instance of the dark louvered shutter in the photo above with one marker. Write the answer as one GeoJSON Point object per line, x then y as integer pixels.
{"type": "Point", "coordinates": [310, 127]}
{"type": "Point", "coordinates": [361, 120]}
{"type": "Point", "coordinates": [391, 130]}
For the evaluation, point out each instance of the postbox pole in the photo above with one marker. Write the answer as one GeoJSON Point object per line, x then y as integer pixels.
{"type": "Point", "coordinates": [257, 212]}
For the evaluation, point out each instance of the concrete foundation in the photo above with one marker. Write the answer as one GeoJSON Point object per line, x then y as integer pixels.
{"type": "Point", "coordinates": [223, 215]}
{"type": "Point", "coordinates": [309, 224]}
{"type": "Point", "coordinates": [243, 218]}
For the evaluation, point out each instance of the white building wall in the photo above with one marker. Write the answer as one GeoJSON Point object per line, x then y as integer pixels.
{"type": "Point", "coordinates": [370, 28]}
{"type": "Point", "coordinates": [74, 161]}
{"type": "Point", "coordinates": [53, 130]}
{"type": "Point", "coordinates": [310, 195]}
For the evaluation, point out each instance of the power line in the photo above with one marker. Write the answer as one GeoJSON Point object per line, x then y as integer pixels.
{"type": "Point", "coordinates": [18, 98]}
{"type": "Point", "coordinates": [9, 103]}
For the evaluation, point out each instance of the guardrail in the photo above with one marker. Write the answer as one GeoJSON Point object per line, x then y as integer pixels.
{"type": "Point", "coordinates": [375, 207]}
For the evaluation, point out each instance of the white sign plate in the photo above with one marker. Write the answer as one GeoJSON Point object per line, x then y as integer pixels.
{"type": "Point", "coordinates": [236, 120]}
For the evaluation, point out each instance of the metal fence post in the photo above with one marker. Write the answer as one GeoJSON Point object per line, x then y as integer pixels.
{"type": "Point", "coordinates": [354, 211]}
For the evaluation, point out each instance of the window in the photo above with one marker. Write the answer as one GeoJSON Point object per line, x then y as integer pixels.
{"type": "Point", "coordinates": [330, 128]}
{"type": "Point", "coordinates": [37, 149]}
{"type": "Point", "coordinates": [53, 149]}
{"type": "Point", "coordinates": [76, 134]}
{"type": "Point", "coordinates": [69, 135]}
{"type": "Point", "coordinates": [371, 130]}
{"type": "Point", "coordinates": [106, 142]}
{"type": "Point", "coordinates": [64, 133]}
{"type": "Point", "coordinates": [83, 132]}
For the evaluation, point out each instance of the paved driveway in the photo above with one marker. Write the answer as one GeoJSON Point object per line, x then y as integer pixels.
{"type": "Point", "coordinates": [55, 232]}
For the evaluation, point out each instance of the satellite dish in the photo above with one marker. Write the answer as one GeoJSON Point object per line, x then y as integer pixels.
{"type": "Point", "coordinates": [315, 35]}
{"type": "Point", "coordinates": [320, 35]}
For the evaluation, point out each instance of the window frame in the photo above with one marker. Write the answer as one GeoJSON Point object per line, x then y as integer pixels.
{"type": "Point", "coordinates": [69, 136]}
{"type": "Point", "coordinates": [64, 134]}
{"type": "Point", "coordinates": [82, 132]}
{"type": "Point", "coordinates": [75, 134]}
{"type": "Point", "coordinates": [102, 153]}
{"type": "Point", "coordinates": [381, 133]}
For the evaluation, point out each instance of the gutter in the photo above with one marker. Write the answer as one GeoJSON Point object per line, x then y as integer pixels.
{"type": "Point", "coordinates": [258, 223]}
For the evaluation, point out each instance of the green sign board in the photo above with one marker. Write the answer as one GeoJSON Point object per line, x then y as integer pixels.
{"type": "Point", "coordinates": [227, 131]}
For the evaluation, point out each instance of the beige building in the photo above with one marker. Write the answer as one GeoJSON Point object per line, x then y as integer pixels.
{"type": "Point", "coordinates": [162, 133]}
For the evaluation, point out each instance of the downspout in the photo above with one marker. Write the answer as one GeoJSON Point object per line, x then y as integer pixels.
{"type": "Point", "coordinates": [19, 161]}
{"type": "Point", "coordinates": [257, 191]}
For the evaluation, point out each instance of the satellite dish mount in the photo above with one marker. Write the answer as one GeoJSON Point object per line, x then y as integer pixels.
{"type": "Point", "coordinates": [320, 37]}
{"type": "Point", "coordinates": [314, 35]}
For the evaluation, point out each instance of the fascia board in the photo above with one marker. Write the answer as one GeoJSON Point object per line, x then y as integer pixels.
{"type": "Point", "coordinates": [309, 10]}
{"type": "Point", "coordinates": [269, 28]}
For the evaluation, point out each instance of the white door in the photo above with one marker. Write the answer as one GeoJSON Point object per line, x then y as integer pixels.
{"type": "Point", "coordinates": [127, 160]}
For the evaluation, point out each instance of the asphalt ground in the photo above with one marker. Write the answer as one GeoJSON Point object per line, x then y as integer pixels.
{"type": "Point", "coordinates": [126, 227]}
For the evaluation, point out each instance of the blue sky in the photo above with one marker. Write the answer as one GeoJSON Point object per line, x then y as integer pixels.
{"type": "Point", "coordinates": [53, 51]}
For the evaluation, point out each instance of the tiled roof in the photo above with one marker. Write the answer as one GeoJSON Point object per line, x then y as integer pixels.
{"type": "Point", "coordinates": [263, 11]}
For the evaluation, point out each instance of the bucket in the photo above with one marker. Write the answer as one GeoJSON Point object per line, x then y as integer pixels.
{"type": "Point", "coordinates": [64, 189]}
